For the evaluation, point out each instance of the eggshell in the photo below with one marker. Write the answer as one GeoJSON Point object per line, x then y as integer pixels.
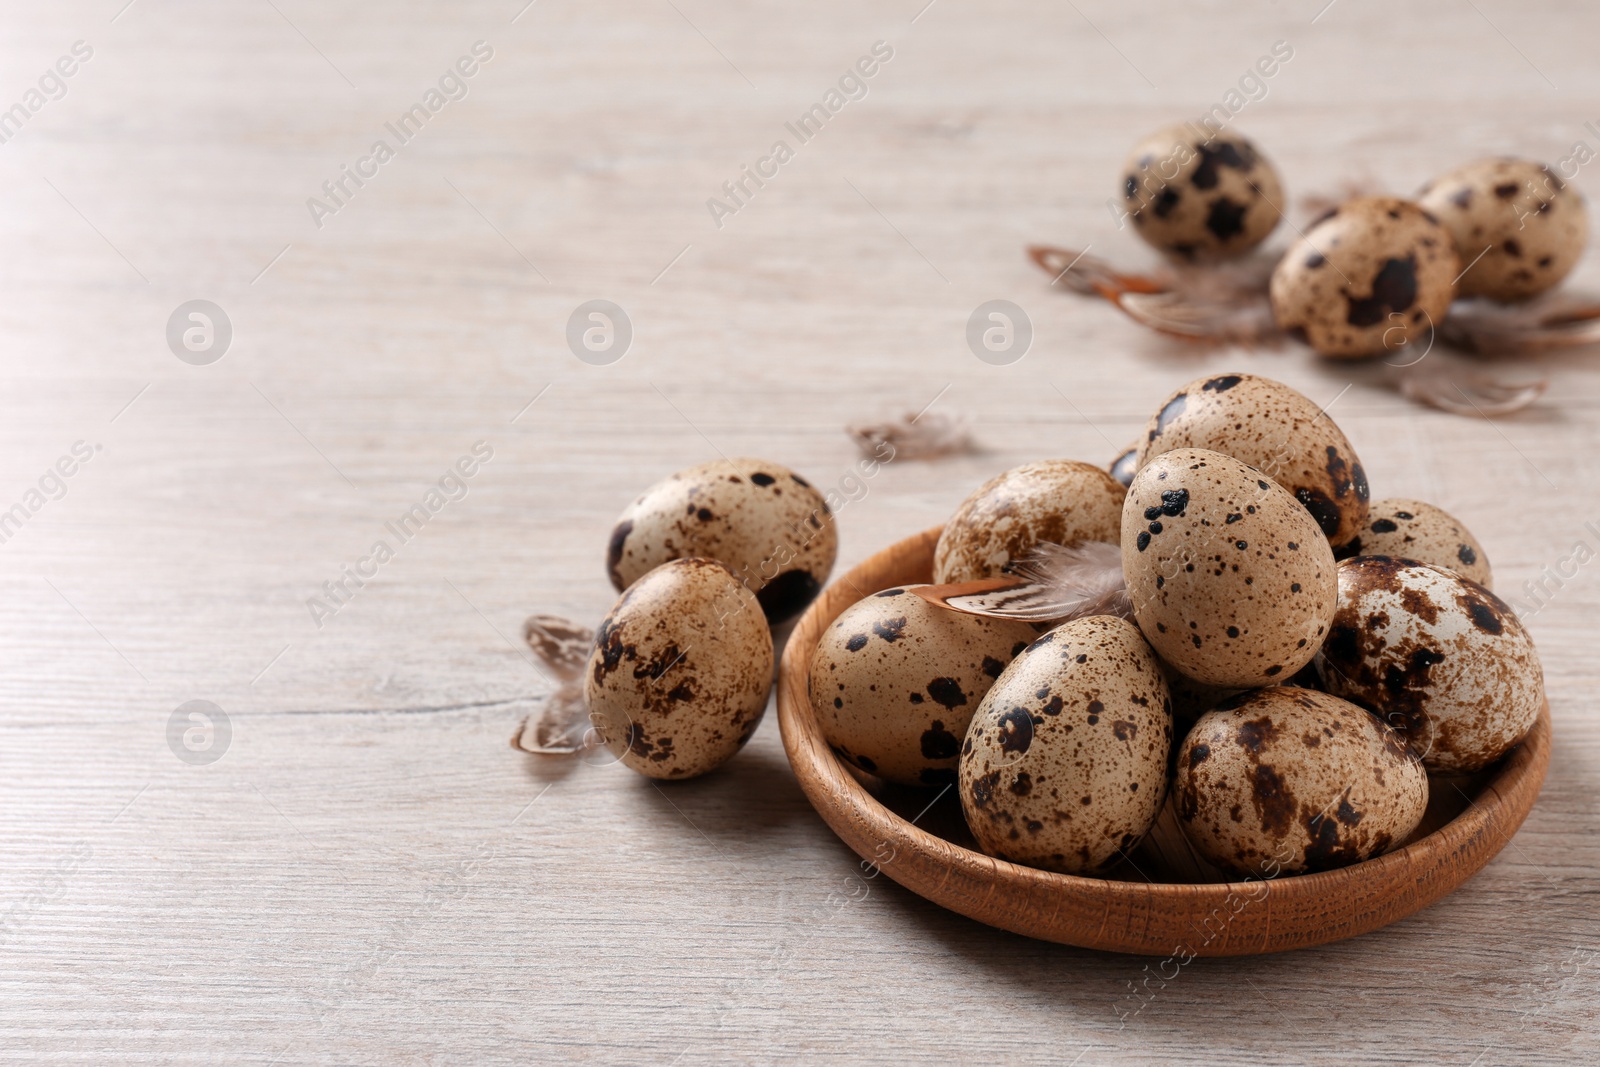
{"type": "Point", "coordinates": [679, 675]}
{"type": "Point", "coordinates": [1521, 228]}
{"type": "Point", "coordinates": [1282, 433]}
{"type": "Point", "coordinates": [1059, 500]}
{"type": "Point", "coordinates": [895, 680]}
{"type": "Point", "coordinates": [1195, 194]}
{"type": "Point", "coordinates": [1230, 578]}
{"type": "Point", "coordinates": [1373, 276]}
{"type": "Point", "coordinates": [1284, 780]}
{"type": "Point", "coordinates": [1415, 529]}
{"type": "Point", "coordinates": [1436, 656]}
{"type": "Point", "coordinates": [1127, 462]}
{"type": "Point", "coordinates": [1065, 763]}
{"type": "Point", "coordinates": [768, 524]}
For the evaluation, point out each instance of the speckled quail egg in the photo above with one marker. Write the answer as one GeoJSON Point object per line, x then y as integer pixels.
{"type": "Point", "coordinates": [1290, 780]}
{"type": "Point", "coordinates": [1059, 500]}
{"type": "Point", "coordinates": [895, 681]}
{"type": "Point", "coordinates": [680, 671]}
{"type": "Point", "coordinates": [1230, 578]}
{"type": "Point", "coordinates": [1127, 462]}
{"type": "Point", "coordinates": [762, 519]}
{"type": "Point", "coordinates": [1436, 656]}
{"type": "Point", "coordinates": [1275, 429]}
{"type": "Point", "coordinates": [1415, 529]}
{"type": "Point", "coordinates": [1195, 194]}
{"type": "Point", "coordinates": [1374, 275]}
{"type": "Point", "coordinates": [1521, 228]}
{"type": "Point", "coordinates": [1065, 763]}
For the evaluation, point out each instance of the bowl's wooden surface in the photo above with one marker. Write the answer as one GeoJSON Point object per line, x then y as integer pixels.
{"type": "Point", "coordinates": [1196, 914]}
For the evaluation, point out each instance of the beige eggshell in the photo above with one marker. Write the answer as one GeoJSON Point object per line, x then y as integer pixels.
{"type": "Point", "coordinates": [1058, 500]}
{"type": "Point", "coordinates": [1371, 277]}
{"type": "Point", "coordinates": [1065, 763]}
{"type": "Point", "coordinates": [895, 680]}
{"type": "Point", "coordinates": [1280, 432]}
{"type": "Point", "coordinates": [1415, 529]}
{"type": "Point", "coordinates": [1285, 780]}
{"type": "Point", "coordinates": [1195, 194]}
{"type": "Point", "coordinates": [1436, 656]}
{"type": "Point", "coordinates": [679, 675]}
{"type": "Point", "coordinates": [1521, 228]}
{"type": "Point", "coordinates": [768, 524]}
{"type": "Point", "coordinates": [1230, 578]}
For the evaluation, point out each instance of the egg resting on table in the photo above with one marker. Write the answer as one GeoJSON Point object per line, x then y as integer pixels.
{"type": "Point", "coordinates": [1374, 276]}
{"type": "Point", "coordinates": [1195, 194]}
{"type": "Point", "coordinates": [768, 524]}
{"type": "Point", "coordinates": [681, 668]}
{"type": "Point", "coordinates": [1519, 229]}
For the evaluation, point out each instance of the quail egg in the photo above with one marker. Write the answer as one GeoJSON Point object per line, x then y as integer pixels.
{"type": "Point", "coordinates": [1414, 529]}
{"type": "Point", "coordinates": [1230, 578]}
{"type": "Point", "coordinates": [1195, 194]}
{"type": "Point", "coordinates": [1127, 462]}
{"type": "Point", "coordinates": [1436, 656]}
{"type": "Point", "coordinates": [895, 681]}
{"type": "Point", "coordinates": [1059, 500]}
{"type": "Point", "coordinates": [680, 671]}
{"type": "Point", "coordinates": [1520, 228]}
{"type": "Point", "coordinates": [1374, 275]}
{"type": "Point", "coordinates": [1275, 429]}
{"type": "Point", "coordinates": [1065, 764]}
{"type": "Point", "coordinates": [762, 519]}
{"type": "Point", "coordinates": [1290, 780]}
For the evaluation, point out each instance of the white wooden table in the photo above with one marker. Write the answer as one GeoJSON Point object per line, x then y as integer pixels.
{"type": "Point", "coordinates": [368, 873]}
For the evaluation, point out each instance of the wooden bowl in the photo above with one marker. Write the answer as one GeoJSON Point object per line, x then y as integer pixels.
{"type": "Point", "coordinates": [1165, 901]}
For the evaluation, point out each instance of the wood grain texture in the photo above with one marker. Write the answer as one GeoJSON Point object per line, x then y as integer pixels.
{"type": "Point", "coordinates": [1161, 915]}
{"type": "Point", "coordinates": [369, 874]}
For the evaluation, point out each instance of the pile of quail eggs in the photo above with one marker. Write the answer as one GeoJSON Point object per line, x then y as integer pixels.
{"type": "Point", "coordinates": [1299, 665]}
{"type": "Point", "coordinates": [1376, 272]}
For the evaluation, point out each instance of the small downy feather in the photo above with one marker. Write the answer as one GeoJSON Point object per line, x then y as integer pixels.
{"type": "Point", "coordinates": [1460, 392]}
{"type": "Point", "coordinates": [1549, 322]}
{"type": "Point", "coordinates": [1048, 583]}
{"type": "Point", "coordinates": [1213, 302]}
{"type": "Point", "coordinates": [927, 435]}
{"type": "Point", "coordinates": [1228, 303]}
{"type": "Point", "coordinates": [562, 727]}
